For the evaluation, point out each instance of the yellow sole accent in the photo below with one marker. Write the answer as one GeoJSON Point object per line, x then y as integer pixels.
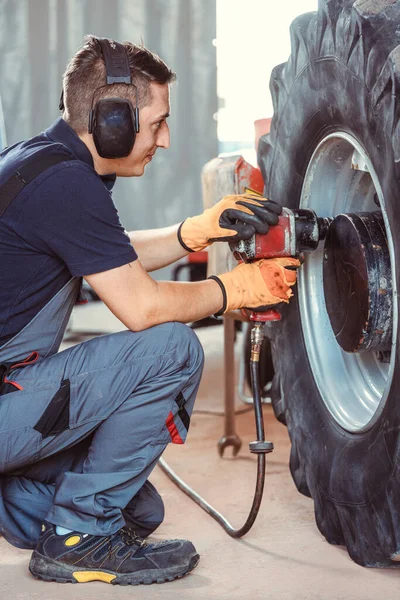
{"type": "Point", "coordinates": [85, 576]}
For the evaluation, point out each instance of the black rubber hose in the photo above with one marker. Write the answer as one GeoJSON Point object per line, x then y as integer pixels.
{"type": "Point", "coordinates": [235, 533]}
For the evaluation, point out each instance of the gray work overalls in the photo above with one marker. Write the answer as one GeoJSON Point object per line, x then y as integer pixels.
{"type": "Point", "coordinates": [83, 428]}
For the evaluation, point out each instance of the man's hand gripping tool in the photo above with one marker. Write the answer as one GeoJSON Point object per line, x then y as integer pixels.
{"type": "Point", "coordinates": [297, 231]}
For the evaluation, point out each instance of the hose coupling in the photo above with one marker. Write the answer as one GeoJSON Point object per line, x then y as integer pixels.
{"type": "Point", "coordinates": [261, 447]}
{"type": "Point", "coordinates": [256, 338]}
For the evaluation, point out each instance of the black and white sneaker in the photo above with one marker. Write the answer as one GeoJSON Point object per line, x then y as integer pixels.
{"type": "Point", "coordinates": [122, 558]}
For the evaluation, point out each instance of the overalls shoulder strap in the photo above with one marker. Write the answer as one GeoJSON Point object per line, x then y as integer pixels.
{"type": "Point", "coordinates": [26, 173]}
{"type": "Point", "coordinates": [43, 334]}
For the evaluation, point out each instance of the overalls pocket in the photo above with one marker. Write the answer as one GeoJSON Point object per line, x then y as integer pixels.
{"type": "Point", "coordinates": [55, 418]}
{"type": "Point", "coordinates": [20, 446]}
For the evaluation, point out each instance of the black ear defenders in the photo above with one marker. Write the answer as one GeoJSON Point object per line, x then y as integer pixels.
{"type": "Point", "coordinates": [113, 122]}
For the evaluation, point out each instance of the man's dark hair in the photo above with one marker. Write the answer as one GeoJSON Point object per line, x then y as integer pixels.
{"type": "Point", "coordinates": [86, 72]}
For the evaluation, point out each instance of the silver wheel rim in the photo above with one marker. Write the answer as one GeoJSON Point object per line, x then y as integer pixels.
{"type": "Point", "coordinates": [354, 387]}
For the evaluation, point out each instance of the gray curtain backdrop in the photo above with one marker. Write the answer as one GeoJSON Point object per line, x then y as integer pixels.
{"type": "Point", "coordinates": [37, 38]}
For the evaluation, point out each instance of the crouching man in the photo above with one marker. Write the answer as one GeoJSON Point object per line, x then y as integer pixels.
{"type": "Point", "coordinates": [82, 429]}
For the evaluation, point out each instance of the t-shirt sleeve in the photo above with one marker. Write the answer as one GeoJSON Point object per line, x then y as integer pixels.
{"type": "Point", "coordinates": [71, 214]}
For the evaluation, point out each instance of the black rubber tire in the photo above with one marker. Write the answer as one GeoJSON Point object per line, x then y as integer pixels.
{"type": "Point", "coordinates": [343, 74]}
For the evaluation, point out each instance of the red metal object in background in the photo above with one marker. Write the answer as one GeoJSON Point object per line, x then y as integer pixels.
{"type": "Point", "coordinates": [247, 176]}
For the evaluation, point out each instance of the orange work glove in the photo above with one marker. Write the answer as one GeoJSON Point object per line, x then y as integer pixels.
{"type": "Point", "coordinates": [261, 283]}
{"type": "Point", "coordinates": [232, 219]}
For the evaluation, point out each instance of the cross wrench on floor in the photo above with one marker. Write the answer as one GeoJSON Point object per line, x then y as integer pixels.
{"type": "Point", "coordinates": [230, 437]}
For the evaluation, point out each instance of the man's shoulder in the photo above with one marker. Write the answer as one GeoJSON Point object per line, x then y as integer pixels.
{"type": "Point", "coordinates": [72, 182]}
{"type": "Point", "coordinates": [39, 155]}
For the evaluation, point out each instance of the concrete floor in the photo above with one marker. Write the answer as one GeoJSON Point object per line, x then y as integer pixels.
{"type": "Point", "coordinates": [283, 557]}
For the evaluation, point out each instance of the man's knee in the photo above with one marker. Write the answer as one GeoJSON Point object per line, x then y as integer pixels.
{"type": "Point", "coordinates": [171, 336]}
{"type": "Point", "coordinates": [188, 344]}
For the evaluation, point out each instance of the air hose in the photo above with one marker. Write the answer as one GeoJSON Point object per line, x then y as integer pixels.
{"type": "Point", "coordinates": [259, 447]}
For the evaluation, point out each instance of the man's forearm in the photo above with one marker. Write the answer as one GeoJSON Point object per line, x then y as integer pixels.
{"type": "Point", "coordinates": [157, 248]}
{"type": "Point", "coordinates": [140, 302]}
{"type": "Point", "coordinates": [184, 302]}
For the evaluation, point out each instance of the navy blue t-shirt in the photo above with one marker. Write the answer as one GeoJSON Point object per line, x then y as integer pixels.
{"type": "Point", "coordinates": [62, 223]}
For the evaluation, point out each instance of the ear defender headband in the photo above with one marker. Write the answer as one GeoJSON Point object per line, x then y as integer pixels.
{"type": "Point", "coordinates": [113, 122]}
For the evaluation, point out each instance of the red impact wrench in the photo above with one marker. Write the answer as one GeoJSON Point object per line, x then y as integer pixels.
{"type": "Point", "coordinates": [297, 231]}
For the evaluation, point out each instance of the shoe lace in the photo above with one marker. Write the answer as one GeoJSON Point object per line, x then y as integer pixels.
{"type": "Point", "coordinates": [130, 537]}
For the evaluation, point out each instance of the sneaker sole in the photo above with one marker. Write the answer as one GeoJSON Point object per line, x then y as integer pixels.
{"type": "Point", "coordinates": [48, 569]}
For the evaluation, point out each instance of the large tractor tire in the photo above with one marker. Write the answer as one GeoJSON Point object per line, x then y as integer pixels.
{"type": "Point", "coordinates": [334, 147]}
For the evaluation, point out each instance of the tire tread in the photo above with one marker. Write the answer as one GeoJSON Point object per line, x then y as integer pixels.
{"type": "Point", "coordinates": [364, 37]}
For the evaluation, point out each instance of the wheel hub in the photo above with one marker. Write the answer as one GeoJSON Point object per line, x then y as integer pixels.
{"type": "Point", "coordinates": [341, 180]}
{"type": "Point", "coordinates": [358, 282]}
